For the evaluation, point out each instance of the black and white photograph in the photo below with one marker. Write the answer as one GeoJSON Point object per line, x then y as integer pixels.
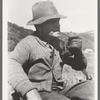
{"type": "Point", "coordinates": [50, 49]}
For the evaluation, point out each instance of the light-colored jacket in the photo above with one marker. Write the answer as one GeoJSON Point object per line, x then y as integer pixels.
{"type": "Point", "coordinates": [32, 64]}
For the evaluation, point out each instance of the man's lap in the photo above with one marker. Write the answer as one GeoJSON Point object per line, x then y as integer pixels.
{"type": "Point", "coordinates": [83, 91]}
{"type": "Point", "coordinates": [53, 96]}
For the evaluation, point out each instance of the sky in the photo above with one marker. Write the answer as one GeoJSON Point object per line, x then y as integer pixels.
{"type": "Point", "coordinates": [81, 14]}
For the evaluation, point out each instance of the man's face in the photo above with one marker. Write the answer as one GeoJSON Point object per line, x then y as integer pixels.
{"type": "Point", "coordinates": [49, 26]}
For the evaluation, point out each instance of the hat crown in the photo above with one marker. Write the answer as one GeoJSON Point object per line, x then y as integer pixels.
{"type": "Point", "coordinates": [43, 9]}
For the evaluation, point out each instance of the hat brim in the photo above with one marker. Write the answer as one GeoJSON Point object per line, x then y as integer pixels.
{"type": "Point", "coordinates": [43, 19]}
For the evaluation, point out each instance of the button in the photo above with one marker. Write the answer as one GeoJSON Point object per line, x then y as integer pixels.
{"type": "Point", "coordinates": [51, 56]}
{"type": "Point", "coordinates": [50, 47]}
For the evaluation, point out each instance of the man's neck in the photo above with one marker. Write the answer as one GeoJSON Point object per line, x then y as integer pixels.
{"type": "Point", "coordinates": [42, 37]}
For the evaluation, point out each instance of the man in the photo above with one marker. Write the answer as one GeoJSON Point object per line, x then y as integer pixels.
{"type": "Point", "coordinates": [35, 66]}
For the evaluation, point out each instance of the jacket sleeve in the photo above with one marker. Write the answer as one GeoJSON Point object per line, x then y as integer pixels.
{"type": "Point", "coordinates": [17, 78]}
{"type": "Point", "coordinates": [78, 62]}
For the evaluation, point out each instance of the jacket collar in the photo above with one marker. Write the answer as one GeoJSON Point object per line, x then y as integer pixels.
{"type": "Point", "coordinates": [42, 43]}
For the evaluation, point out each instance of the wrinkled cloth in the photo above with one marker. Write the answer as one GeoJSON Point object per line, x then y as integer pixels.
{"type": "Point", "coordinates": [82, 91]}
{"type": "Point", "coordinates": [30, 51]}
{"type": "Point", "coordinates": [33, 64]}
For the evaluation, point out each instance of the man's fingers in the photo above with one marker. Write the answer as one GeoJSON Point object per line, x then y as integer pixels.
{"type": "Point", "coordinates": [33, 95]}
{"type": "Point", "coordinates": [75, 43]}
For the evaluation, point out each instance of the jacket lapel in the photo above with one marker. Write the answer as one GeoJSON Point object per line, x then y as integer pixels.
{"type": "Point", "coordinates": [48, 51]}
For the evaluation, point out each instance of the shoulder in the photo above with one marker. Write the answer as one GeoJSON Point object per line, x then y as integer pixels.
{"type": "Point", "coordinates": [27, 43]}
{"type": "Point", "coordinates": [30, 39]}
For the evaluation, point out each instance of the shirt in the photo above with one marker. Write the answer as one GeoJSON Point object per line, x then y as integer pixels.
{"type": "Point", "coordinates": [32, 64]}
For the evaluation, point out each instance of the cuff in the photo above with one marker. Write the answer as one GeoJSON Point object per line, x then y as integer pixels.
{"type": "Point", "coordinates": [25, 86]}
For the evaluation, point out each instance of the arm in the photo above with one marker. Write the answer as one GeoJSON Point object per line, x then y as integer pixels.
{"type": "Point", "coordinates": [78, 61]}
{"type": "Point", "coordinates": [17, 78]}
{"type": "Point", "coordinates": [33, 95]}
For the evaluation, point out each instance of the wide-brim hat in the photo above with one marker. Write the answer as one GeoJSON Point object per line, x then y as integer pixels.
{"type": "Point", "coordinates": [43, 11]}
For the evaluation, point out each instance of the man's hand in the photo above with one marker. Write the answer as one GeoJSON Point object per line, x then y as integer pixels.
{"type": "Point", "coordinates": [74, 43]}
{"type": "Point", "coordinates": [33, 95]}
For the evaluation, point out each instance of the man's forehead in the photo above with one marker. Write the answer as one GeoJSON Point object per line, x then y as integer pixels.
{"type": "Point", "coordinates": [52, 20]}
